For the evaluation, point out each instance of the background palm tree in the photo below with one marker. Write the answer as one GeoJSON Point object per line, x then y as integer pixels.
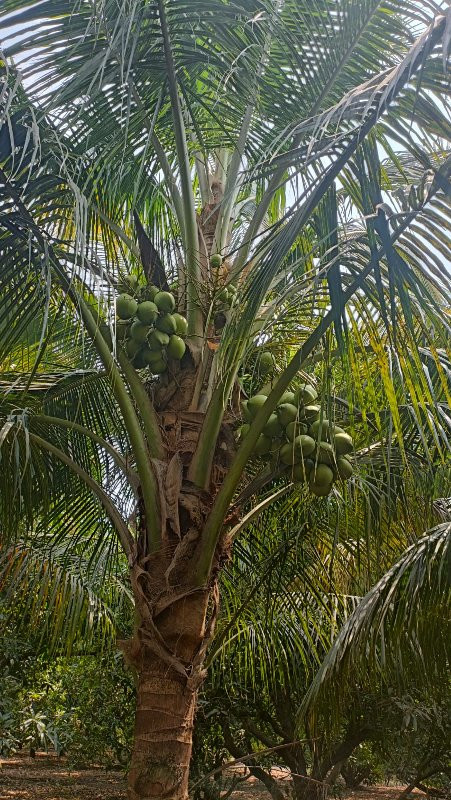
{"type": "Point", "coordinates": [309, 602]}
{"type": "Point", "coordinates": [297, 155]}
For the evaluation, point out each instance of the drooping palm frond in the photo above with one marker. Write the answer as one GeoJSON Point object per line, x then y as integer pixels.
{"type": "Point", "coordinates": [75, 597]}
{"type": "Point", "coordinates": [399, 630]}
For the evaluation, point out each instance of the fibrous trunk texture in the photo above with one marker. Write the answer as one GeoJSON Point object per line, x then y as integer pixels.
{"type": "Point", "coordinates": [168, 660]}
{"type": "Point", "coordinates": [163, 735]}
{"type": "Point", "coordinates": [175, 617]}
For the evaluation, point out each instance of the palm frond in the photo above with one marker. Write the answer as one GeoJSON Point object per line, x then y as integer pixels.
{"type": "Point", "coordinates": [398, 630]}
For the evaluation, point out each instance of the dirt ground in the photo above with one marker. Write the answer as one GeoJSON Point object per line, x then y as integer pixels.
{"type": "Point", "coordinates": [45, 778]}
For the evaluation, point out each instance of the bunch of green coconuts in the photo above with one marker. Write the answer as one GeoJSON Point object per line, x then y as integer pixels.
{"type": "Point", "coordinates": [148, 326]}
{"type": "Point", "coordinates": [312, 450]}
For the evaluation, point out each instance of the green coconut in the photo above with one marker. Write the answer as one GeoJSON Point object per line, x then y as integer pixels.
{"type": "Point", "coordinates": [121, 329]}
{"type": "Point", "coordinates": [320, 428]}
{"type": "Point", "coordinates": [310, 413]}
{"type": "Point", "coordinates": [166, 323]}
{"type": "Point", "coordinates": [139, 361]}
{"type": "Point", "coordinates": [128, 282]}
{"type": "Point", "coordinates": [181, 324]}
{"type": "Point", "coordinates": [243, 430]}
{"type": "Point", "coordinates": [176, 347]}
{"type": "Point", "coordinates": [215, 260]}
{"type": "Point", "coordinates": [157, 340]}
{"type": "Point", "coordinates": [266, 362]}
{"type": "Point", "coordinates": [266, 389]}
{"type": "Point", "coordinates": [139, 331]}
{"type": "Point", "coordinates": [246, 414]}
{"type": "Point", "coordinates": [301, 471]}
{"type": "Point", "coordinates": [223, 295]}
{"type": "Point", "coordinates": [325, 429]}
{"type": "Point", "coordinates": [294, 429]}
{"type": "Point", "coordinates": [306, 394]}
{"type": "Point", "coordinates": [322, 475]}
{"type": "Point", "coordinates": [147, 312]}
{"type": "Point", "coordinates": [287, 454]}
{"type": "Point", "coordinates": [273, 427]}
{"type": "Point", "coordinates": [287, 413]}
{"type": "Point", "coordinates": [255, 403]}
{"type": "Point", "coordinates": [343, 444]}
{"type": "Point", "coordinates": [165, 302]}
{"type": "Point", "coordinates": [152, 292]}
{"type": "Point", "coordinates": [126, 306]}
{"type": "Point", "coordinates": [232, 295]}
{"type": "Point", "coordinates": [132, 280]}
{"type": "Point", "coordinates": [287, 397]}
{"type": "Point", "coordinates": [318, 490]}
{"type": "Point", "coordinates": [263, 445]}
{"type": "Point", "coordinates": [326, 453]}
{"type": "Point", "coordinates": [344, 468]}
{"type": "Point", "coordinates": [159, 367]}
{"type": "Point", "coordinates": [276, 444]}
{"type": "Point", "coordinates": [304, 444]}
{"type": "Point", "coordinates": [132, 347]}
{"type": "Point", "coordinates": [151, 356]}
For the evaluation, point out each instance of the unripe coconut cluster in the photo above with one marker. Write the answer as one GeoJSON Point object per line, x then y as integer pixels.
{"type": "Point", "coordinates": [314, 451]}
{"type": "Point", "coordinates": [225, 298]}
{"type": "Point", "coordinates": [151, 330]}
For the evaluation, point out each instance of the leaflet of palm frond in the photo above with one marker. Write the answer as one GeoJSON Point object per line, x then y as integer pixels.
{"type": "Point", "coordinates": [366, 192]}
{"type": "Point", "coordinates": [326, 223]}
{"type": "Point", "coordinates": [396, 264]}
{"type": "Point", "coordinates": [16, 141]}
{"type": "Point", "coordinates": [150, 258]}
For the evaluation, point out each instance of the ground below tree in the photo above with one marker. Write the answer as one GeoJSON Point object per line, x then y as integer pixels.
{"type": "Point", "coordinates": [47, 778]}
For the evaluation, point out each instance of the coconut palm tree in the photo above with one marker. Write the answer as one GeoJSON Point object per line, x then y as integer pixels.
{"type": "Point", "coordinates": [283, 171]}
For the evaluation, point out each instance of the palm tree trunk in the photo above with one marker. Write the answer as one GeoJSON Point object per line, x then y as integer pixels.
{"type": "Point", "coordinates": [163, 734]}
{"type": "Point", "coordinates": [167, 652]}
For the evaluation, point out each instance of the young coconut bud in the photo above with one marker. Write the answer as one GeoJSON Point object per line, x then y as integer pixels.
{"type": "Point", "coordinates": [310, 413]}
{"type": "Point", "coordinates": [287, 454]}
{"type": "Point", "coordinates": [322, 475]}
{"type": "Point", "coordinates": [326, 453]}
{"type": "Point", "coordinates": [266, 363]}
{"type": "Point", "coordinates": [152, 292]}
